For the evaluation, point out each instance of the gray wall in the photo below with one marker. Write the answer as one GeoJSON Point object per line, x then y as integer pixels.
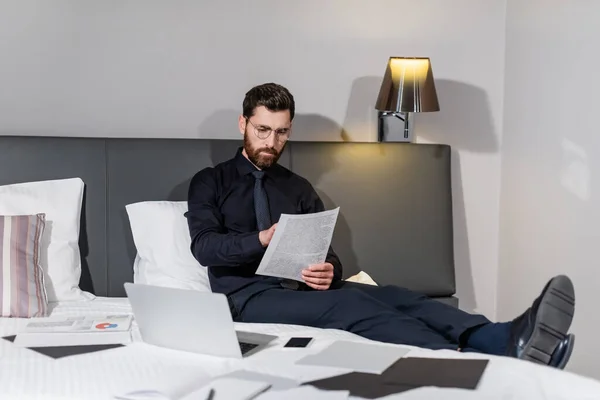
{"type": "Point", "coordinates": [148, 68]}
{"type": "Point", "coordinates": [550, 205]}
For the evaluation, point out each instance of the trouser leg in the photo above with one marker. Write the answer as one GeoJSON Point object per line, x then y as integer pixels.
{"type": "Point", "coordinates": [442, 318]}
{"type": "Point", "coordinates": [350, 309]}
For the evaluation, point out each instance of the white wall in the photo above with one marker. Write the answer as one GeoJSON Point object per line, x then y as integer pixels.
{"type": "Point", "coordinates": [550, 209]}
{"type": "Point", "coordinates": [180, 69]}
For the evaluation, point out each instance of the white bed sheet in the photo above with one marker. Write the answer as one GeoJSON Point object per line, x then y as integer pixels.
{"type": "Point", "coordinates": [25, 374]}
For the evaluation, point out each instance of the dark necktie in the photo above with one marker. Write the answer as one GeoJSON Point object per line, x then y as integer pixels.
{"type": "Point", "coordinates": [263, 216]}
{"type": "Point", "coordinates": [261, 202]}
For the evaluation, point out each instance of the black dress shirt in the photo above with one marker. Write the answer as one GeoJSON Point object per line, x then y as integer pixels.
{"type": "Point", "coordinates": [222, 220]}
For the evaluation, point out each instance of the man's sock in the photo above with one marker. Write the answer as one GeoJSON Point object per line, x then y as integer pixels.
{"type": "Point", "coordinates": [490, 338]}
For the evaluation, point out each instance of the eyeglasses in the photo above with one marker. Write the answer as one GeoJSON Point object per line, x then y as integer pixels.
{"type": "Point", "coordinates": [263, 132]}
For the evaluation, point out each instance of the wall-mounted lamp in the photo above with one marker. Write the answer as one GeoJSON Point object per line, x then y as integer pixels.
{"type": "Point", "coordinates": [407, 87]}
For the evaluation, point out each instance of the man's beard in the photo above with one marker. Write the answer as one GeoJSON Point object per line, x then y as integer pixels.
{"type": "Point", "coordinates": [258, 157]}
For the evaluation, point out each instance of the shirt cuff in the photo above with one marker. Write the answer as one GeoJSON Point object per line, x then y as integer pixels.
{"type": "Point", "coordinates": [252, 245]}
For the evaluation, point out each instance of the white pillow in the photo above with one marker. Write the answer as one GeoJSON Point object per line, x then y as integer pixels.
{"type": "Point", "coordinates": [60, 258]}
{"type": "Point", "coordinates": [162, 239]}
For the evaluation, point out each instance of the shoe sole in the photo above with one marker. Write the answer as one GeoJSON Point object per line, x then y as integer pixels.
{"type": "Point", "coordinates": [553, 320]}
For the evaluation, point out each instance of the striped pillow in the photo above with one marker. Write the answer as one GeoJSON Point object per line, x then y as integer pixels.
{"type": "Point", "coordinates": [22, 290]}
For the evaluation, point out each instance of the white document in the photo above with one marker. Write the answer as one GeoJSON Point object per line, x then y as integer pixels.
{"type": "Point", "coordinates": [428, 393]}
{"type": "Point", "coordinates": [275, 382]}
{"type": "Point", "coordinates": [168, 388]}
{"type": "Point", "coordinates": [304, 393]}
{"type": "Point", "coordinates": [101, 323]}
{"type": "Point", "coordinates": [228, 388]}
{"type": "Point", "coordinates": [355, 356]}
{"type": "Point", "coordinates": [201, 389]}
{"type": "Point", "coordinates": [75, 331]}
{"type": "Point", "coordinates": [299, 241]}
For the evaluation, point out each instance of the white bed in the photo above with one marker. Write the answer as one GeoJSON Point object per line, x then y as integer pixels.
{"type": "Point", "coordinates": [25, 374]}
{"type": "Point", "coordinates": [160, 241]}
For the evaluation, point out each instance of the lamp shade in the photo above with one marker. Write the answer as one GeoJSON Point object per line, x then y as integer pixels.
{"type": "Point", "coordinates": [408, 86]}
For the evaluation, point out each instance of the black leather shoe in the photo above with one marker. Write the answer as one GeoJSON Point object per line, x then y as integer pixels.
{"type": "Point", "coordinates": [539, 332]}
{"type": "Point", "coordinates": [563, 351]}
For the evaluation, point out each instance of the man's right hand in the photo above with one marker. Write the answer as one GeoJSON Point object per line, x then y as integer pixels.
{"type": "Point", "coordinates": [266, 235]}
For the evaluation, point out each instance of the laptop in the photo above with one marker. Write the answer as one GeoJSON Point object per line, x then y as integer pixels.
{"type": "Point", "coordinates": [190, 320]}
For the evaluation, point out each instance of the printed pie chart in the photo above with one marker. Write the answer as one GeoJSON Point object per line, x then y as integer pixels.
{"type": "Point", "coordinates": [106, 325]}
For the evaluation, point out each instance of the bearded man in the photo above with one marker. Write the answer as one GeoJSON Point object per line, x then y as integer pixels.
{"type": "Point", "coordinates": [233, 209]}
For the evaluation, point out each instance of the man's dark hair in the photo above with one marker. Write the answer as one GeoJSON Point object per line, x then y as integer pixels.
{"type": "Point", "coordinates": [272, 96]}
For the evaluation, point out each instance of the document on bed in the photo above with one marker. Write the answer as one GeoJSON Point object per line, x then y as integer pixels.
{"type": "Point", "coordinates": [75, 331]}
{"type": "Point", "coordinates": [275, 382]}
{"type": "Point", "coordinates": [200, 389]}
{"type": "Point", "coordinates": [371, 358]}
{"type": "Point", "coordinates": [303, 393]}
{"type": "Point", "coordinates": [300, 240]}
{"type": "Point", "coordinates": [82, 324]}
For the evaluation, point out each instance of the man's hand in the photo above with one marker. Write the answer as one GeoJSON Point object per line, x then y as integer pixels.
{"type": "Point", "coordinates": [318, 276]}
{"type": "Point", "coordinates": [266, 235]}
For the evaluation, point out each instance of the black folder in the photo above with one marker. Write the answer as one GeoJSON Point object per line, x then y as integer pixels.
{"type": "Point", "coordinates": [65, 351]}
{"type": "Point", "coordinates": [406, 374]}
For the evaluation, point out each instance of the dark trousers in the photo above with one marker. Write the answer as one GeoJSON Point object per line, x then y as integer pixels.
{"type": "Point", "coordinates": [384, 313]}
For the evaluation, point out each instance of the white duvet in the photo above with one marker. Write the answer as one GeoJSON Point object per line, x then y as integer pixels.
{"type": "Point", "coordinates": [25, 374]}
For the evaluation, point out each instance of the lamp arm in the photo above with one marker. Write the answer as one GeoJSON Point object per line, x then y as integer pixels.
{"type": "Point", "coordinates": [395, 114]}
{"type": "Point", "coordinates": [391, 113]}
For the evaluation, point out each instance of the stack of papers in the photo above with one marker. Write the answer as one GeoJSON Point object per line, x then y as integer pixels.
{"type": "Point", "coordinates": [75, 331]}
{"type": "Point", "coordinates": [377, 370]}
{"type": "Point", "coordinates": [374, 370]}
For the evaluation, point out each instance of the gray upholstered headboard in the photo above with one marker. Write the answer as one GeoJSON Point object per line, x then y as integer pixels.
{"type": "Point", "coordinates": [395, 199]}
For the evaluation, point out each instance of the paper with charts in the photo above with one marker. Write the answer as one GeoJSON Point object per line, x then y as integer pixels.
{"type": "Point", "coordinates": [98, 323]}
{"type": "Point", "coordinates": [299, 241]}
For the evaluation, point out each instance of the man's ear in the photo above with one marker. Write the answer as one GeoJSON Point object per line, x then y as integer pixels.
{"type": "Point", "coordinates": [242, 124]}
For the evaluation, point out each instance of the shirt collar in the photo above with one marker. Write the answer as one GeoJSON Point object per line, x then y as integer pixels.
{"type": "Point", "coordinates": [245, 166]}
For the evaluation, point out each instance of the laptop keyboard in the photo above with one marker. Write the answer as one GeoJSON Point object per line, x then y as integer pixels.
{"type": "Point", "coordinates": [246, 347]}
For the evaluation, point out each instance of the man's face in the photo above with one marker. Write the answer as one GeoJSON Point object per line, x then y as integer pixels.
{"type": "Point", "coordinates": [265, 152]}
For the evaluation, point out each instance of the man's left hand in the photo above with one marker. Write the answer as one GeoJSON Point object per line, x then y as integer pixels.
{"type": "Point", "coordinates": [318, 276]}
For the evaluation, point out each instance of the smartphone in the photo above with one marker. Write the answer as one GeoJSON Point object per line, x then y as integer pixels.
{"type": "Point", "coordinates": [298, 342]}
